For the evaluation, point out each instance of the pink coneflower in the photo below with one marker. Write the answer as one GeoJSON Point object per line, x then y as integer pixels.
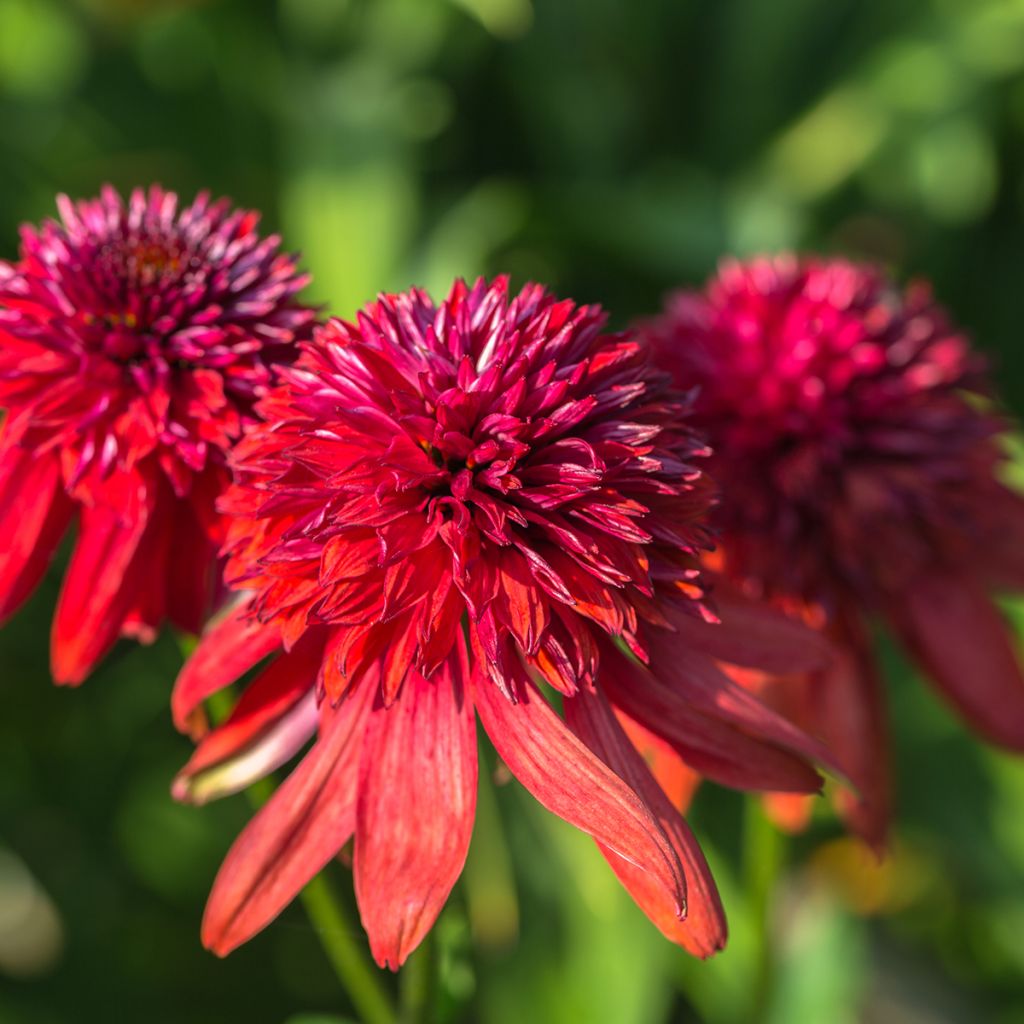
{"type": "Point", "coordinates": [134, 339]}
{"type": "Point", "coordinates": [446, 505]}
{"type": "Point", "coordinates": [859, 460]}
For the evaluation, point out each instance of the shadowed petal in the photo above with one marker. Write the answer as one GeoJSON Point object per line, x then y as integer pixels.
{"type": "Point", "coordinates": [958, 636]}
{"type": "Point", "coordinates": [303, 825]}
{"type": "Point", "coordinates": [716, 748]}
{"type": "Point", "coordinates": [753, 635]}
{"type": "Point", "coordinates": [417, 798]}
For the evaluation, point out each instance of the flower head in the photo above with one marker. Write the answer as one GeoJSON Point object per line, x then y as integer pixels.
{"type": "Point", "coordinates": [134, 339]}
{"type": "Point", "coordinates": [859, 464]}
{"type": "Point", "coordinates": [446, 504]}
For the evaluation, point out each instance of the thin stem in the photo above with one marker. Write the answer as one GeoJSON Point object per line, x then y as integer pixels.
{"type": "Point", "coordinates": [417, 984]}
{"type": "Point", "coordinates": [764, 849]}
{"type": "Point", "coordinates": [358, 977]}
{"type": "Point", "coordinates": [328, 915]}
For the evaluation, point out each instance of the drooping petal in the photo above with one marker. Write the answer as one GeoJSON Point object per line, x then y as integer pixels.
{"type": "Point", "coordinates": [102, 584]}
{"type": "Point", "coordinates": [417, 799]}
{"type": "Point", "coordinates": [34, 514]}
{"type": "Point", "coordinates": [231, 645]}
{"type": "Point", "coordinates": [956, 633]}
{"type": "Point", "coordinates": [755, 636]}
{"type": "Point", "coordinates": [272, 721]}
{"type": "Point", "coordinates": [569, 780]}
{"type": "Point", "coordinates": [717, 748]}
{"type": "Point", "coordinates": [677, 779]}
{"type": "Point", "coordinates": [303, 825]}
{"type": "Point", "coordinates": [703, 931]}
{"type": "Point", "coordinates": [695, 677]}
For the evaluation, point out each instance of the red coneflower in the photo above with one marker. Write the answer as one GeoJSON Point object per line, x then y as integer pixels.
{"type": "Point", "coordinates": [445, 505]}
{"type": "Point", "coordinates": [859, 461]}
{"type": "Point", "coordinates": [134, 339]}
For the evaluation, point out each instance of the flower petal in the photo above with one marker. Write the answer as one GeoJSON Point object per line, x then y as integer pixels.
{"type": "Point", "coordinates": [703, 931]}
{"type": "Point", "coordinates": [272, 721]}
{"type": "Point", "coordinates": [959, 638]}
{"type": "Point", "coordinates": [107, 570]}
{"type": "Point", "coordinates": [231, 645]}
{"type": "Point", "coordinates": [569, 780]}
{"type": "Point", "coordinates": [303, 825]}
{"type": "Point", "coordinates": [753, 635]}
{"type": "Point", "coordinates": [34, 514]}
{"type": "Point", "coordinates": [716, 748]}
{"type": "Point", "coordinates": [417, 799]}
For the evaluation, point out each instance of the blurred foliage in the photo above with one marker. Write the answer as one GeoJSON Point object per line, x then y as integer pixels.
{"type": "Point", "coordinates": [614, 151]}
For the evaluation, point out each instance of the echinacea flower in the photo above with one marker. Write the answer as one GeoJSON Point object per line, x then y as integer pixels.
{"type": "Point", "coordinates": [859, 455]}
{"type": "Point", "coordinates": [445, 505]}
{"type": "Point", "coordinates": [134, 339]}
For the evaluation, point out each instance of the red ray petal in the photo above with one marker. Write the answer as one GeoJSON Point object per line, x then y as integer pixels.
{"type": "Point", "coordinates": [569, 780]}
{"type": "Point", "coordinates": [715, 748]}
{"type": "Point", "coordinates": [703, 931]}
{"type": "Point", "coordinates": [417, 798]}
{"type": "Point", "coordinates": [303, 825]}
{"type": "Point", "coordinates": [271, 722]}
{"type": "Point", "coordinates": [231, 645]}
{"type": "Point", "coordinates": [755, 636]}
{"type": "Point", "coordinates": [34, 513]}
{"type": "Point", "coordinates": [958, 636]}
{"type": "Point", "coordinates": [103, 581]}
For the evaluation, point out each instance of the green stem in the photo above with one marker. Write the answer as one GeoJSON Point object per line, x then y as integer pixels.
{"type": "Point", "coordinates": [764, 850]}
{"type": "Point", "coordinates": [328, 915]}
{"type": "Point", "coordinates": [345, 952]}
{"type": "Point", "coordinates": [417, 985]}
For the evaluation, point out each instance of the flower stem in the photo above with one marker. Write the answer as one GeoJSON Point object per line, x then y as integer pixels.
{"type": "Point", "coordinates": [764, 849]}
{"type": "Point", "coordinates": [328, 915]}
{"type": "Point", "coordinates": [345, 952]}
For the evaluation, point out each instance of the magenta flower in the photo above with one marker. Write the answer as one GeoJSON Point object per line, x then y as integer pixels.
{"type": "Point", "coordinates": [133, 341]}
{"type": "Point", "coordinates": [860, 465]}
{"type": "Point", "coordinates": [446, 505]}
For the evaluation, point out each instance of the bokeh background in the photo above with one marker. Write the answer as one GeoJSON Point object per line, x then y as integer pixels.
{"type": "Point", "coordinates": [613, 150]}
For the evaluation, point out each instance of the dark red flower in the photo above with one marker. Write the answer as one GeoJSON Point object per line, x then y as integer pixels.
{"type": "Point", "coordinates": [134, 339]}
{"type": "Point", "coordinates": [445, 505]}
{"type": "Point", "coordinates": [860, 463]}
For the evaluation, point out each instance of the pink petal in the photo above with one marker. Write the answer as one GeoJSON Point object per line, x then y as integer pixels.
{"type": "Point", "coordinates": [958, 636]}
{"type": "Point", "coordinates": [304, 824]}
{"type": "Point", "coordinates": [703, 931]}
{"type": "Point", "coordinates": [34, 513]}
{"type": "Point", "coordinates": [417, 799]}
{"type": "Point", "coordinates": [569, 780]}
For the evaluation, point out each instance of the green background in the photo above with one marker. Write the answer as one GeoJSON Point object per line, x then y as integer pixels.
{"type": "Point", "coordinates": [613, 149]}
